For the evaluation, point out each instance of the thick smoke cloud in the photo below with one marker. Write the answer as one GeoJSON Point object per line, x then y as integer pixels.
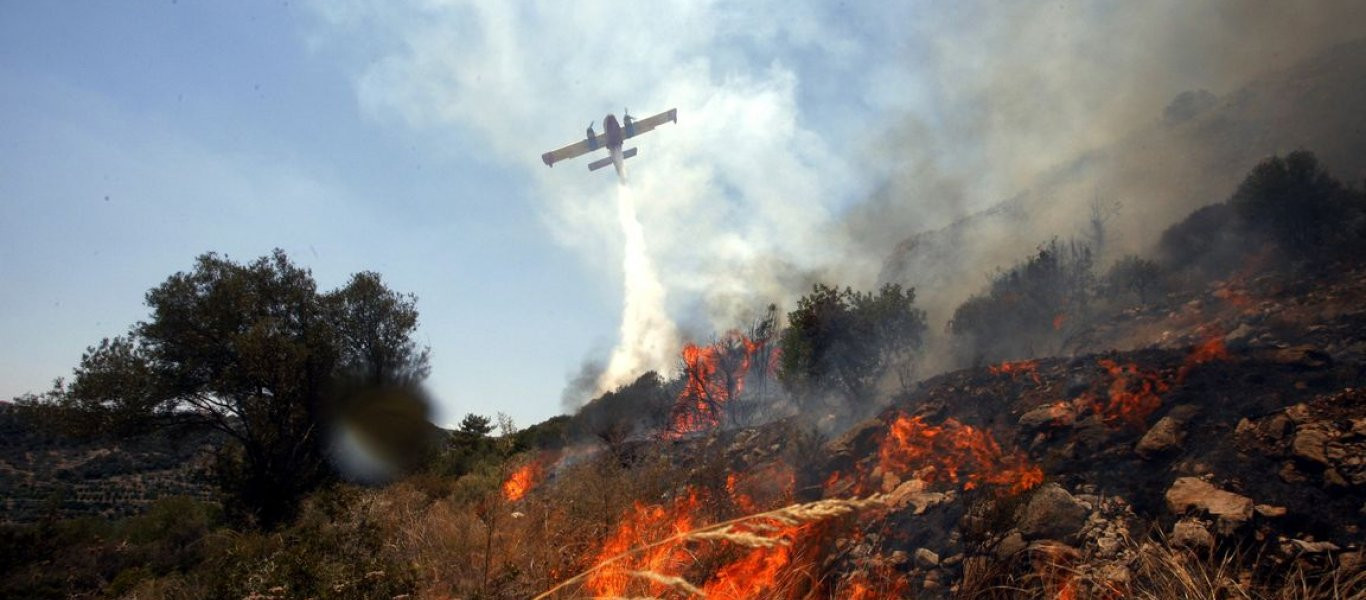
{"type": "Point", "coordinates": [814, 139]}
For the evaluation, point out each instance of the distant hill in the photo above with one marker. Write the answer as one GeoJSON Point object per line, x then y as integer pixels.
{"type": "Point", "coordinates": [1192, 155]}
{"type": "Point", "coordinates": [43, 474]}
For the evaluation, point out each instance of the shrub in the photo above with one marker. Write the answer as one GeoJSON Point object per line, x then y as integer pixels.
{"type": "Point", "coordinates": [1032, 307]}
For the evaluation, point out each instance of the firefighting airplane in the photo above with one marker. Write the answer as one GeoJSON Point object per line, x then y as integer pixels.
{"type": "Point", "coordinates": [611, 138]}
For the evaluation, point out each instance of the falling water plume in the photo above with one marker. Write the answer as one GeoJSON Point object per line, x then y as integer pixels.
{"type": "Point", "coordinates": [649, 338]}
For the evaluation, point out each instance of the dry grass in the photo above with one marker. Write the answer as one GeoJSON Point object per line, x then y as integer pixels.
{"type": "Point", "coordinates": [1158, 572]}
{"type": "Point", "coordinates": [751, 531]}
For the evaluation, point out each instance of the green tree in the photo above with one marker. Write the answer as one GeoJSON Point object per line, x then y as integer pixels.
{"type": "Point", "coordinates": [1133, 274]}
{"type": "Point", "coordinates": [842, 342]}
{"type": "Point", "coordinates": [1295, 201]}
{"type": "Point", "coordinates": [255, 352]}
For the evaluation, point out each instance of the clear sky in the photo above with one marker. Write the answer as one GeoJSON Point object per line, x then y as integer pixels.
{"type": "Point", "coordinates": [404, 138]}
{"type": "Point", "coordinates": [137, 135]}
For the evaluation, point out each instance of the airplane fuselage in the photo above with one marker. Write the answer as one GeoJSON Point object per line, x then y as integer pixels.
{"type": "Point", "coordinates": [611, 130]}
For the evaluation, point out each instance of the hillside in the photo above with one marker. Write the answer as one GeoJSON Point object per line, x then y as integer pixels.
{"type": "Point", "coordinates": [44, 475]}
{"type": "Point", "coordinates": [1158, 174]}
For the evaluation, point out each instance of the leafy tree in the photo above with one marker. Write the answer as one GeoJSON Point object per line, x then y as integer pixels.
{"type": "Point", "coordinates": [843, 341]}
{"type": "Point", "coordinates": [475, 426]}
{"type": "Point", "coordinates": [1295, 201]}
{"type": "Point", "coordinates": [1133, 274]}
{"type": "Point", "coordinates": [256, 352]}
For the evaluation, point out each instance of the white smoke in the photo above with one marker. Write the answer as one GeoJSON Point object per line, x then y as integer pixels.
{"type": "Point", "coordinates": [649, 337]}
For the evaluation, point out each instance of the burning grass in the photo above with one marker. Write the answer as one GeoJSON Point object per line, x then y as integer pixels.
{"type": "Point", "coordinates": [656, 566]}
{"type": "Point", "coordinates": [953, 452]}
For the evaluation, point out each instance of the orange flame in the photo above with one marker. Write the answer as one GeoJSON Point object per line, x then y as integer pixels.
{"type": "Point", "coordinates": [1016, 369]}
{"type": "Point", "coordinates": [638, 528]}
{"type": "Point", "coordinates": [714, 376]}
{"type": "Point", "coordinates": [1212, 349]}
{"type": "Point", "coordinates": [952, 452]}
{"type": "Point", "coordinates": [521, 481]}
{"type": "Point", "coordinates": [1133, 394]}
{"type": "Point", "coordinates": [759, 571]}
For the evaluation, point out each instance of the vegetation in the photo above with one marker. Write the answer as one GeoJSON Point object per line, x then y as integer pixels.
{"type": "Point", "coordinates": [1032, 307]}
{"type": "Point", "coordinates": [255, 352]}
{"type": "Point", "coordinates": [1131, 274]}
{"type": "Point", "coordinates": [258, 355]}
{"type": "Point", "coordinates": [842, 342]}
{"type": "Point", "coordinates": [1296, 203]}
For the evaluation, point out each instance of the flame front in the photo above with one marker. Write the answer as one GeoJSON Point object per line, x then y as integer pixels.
{"type": "Point", "coordinates": [640, 527]}
{"type": "Point", "coordinates": [954, 452]}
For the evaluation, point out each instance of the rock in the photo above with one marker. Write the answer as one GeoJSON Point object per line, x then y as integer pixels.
{"type": "Point", "coordinates": [1187, 492]}
{"type": "Point", "coordinates": [1309, 444]}
{"type": "Point", "coordinates": [912, 493]}
{"type": "Point", "coordinates": [1191, 535]}
{"type": "Point", "coordinates": [1290, 475]}
{"type": "Point", "coordinates": [1059, 414]}
{"type": "Point", "coordinates": [855, 437]}
{"type": "Point", "coordinates": [1299, 413]}
{"type": "Point", "coordinates": [1052, 513]}
{"type": "Point", "coordinates": [1240, 334]}
{"type": "Point", "coordinates": [1314, 547]}
{"type": "Point", "coordinates": [924, 557]}
{"type": "Point", "coordinates": [1269, 511]}
{"type": "Point", "coordinates": [1164, 436]}
{"type": "Point", "coordinates": [1244, 426]}
{"type": "Point", "coordinates": [1279, 425]}
{"type": "Point", "coordinates": [1010, 545]}
{"type": "Point", "coordinates": [1334, 478]}
{"type": "Point", "coordinates": [1183, 413]}
{"type": "Point", "coordinates": [1306, 357]}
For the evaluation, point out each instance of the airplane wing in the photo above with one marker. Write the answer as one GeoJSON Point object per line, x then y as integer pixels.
{"type": "Point", "coordinates": [648, 124]}
{"type": "Point", "coordinates": [578, 148]}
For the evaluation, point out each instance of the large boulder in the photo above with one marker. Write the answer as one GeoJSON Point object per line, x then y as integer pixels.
{"type": "Point", "coordinates": [1052, 513]}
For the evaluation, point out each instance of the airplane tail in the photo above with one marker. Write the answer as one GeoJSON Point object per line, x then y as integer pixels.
{"type": "Point", "coordinates": [607, 160]}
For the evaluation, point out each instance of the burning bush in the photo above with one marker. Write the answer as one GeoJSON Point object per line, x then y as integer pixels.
{"type": "Point", "coordinates": [714, 383]}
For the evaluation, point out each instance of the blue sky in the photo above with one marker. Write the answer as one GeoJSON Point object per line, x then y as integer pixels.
{"type": "Point", "coordinates": [404, 138]}
{"type": "Point", "coordinates": [139, 135]}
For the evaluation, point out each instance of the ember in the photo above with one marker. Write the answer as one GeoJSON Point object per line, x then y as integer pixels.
{"type": "Point", "coordinates": [1133, 394]}
{"type": "Point", "coordinates": [952, 452]}
{"type": "Point", "coordinates": [1016, 369]}
{"type": "Point", "coordinates": [1212, 349]}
